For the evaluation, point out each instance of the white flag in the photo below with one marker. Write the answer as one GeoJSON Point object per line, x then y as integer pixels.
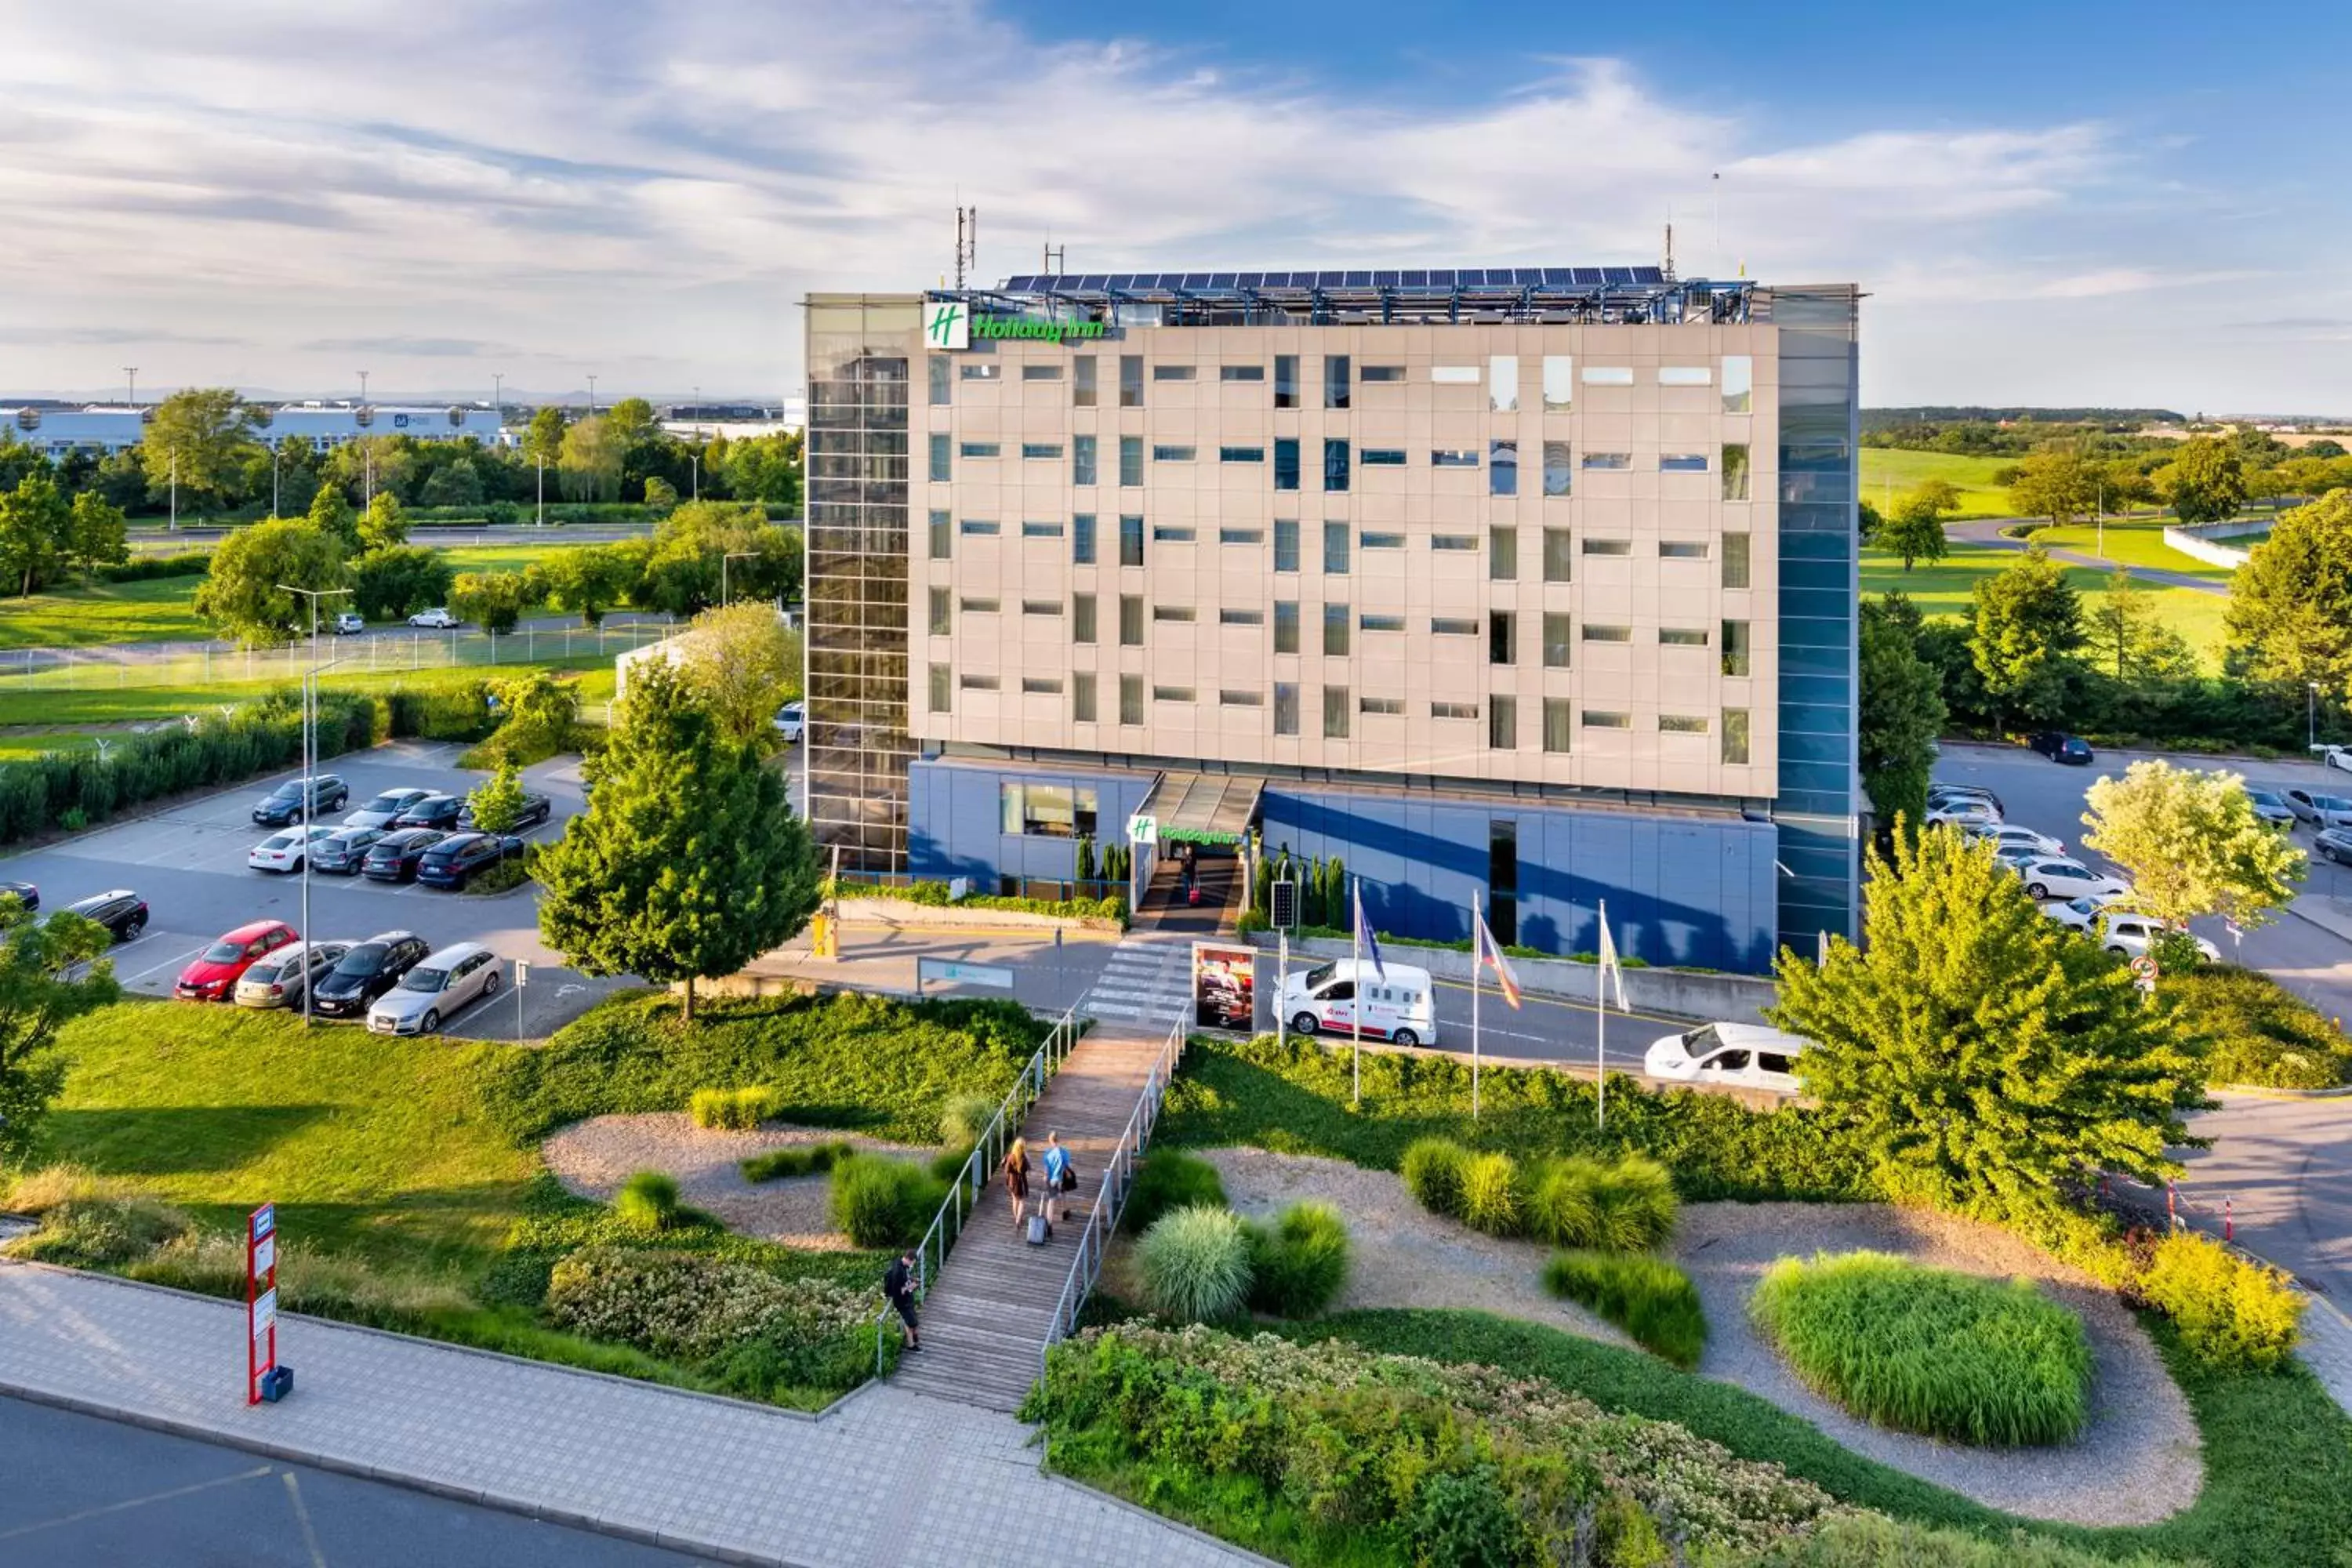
{"type": "Point", "coordinates": [1611, 972]}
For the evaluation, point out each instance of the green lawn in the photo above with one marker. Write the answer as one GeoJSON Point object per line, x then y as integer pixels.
{"type": "Point", "coordinates": [23, 745]}
{"type": "Point", "coordinates": [160, 610]}
{"type": "Point", "coordinates": [1887, 472]}
{"type": "Point", "coordinates": [2139, 543]}
{"type": "Point", "coordinates": [500, 557]}
{"type": "Point", "coordinates": [1944, 588]}
{"type": "Point", "coordinates": [107, 705]}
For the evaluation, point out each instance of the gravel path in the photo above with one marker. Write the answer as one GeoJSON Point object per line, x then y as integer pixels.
{"type": "Point", "coordinates": [2136, 1463]}
{"type": "Point", "coordinates": [592, 1158]}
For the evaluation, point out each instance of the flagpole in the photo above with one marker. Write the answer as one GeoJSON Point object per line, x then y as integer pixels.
{"type": "Point", "coordinates": [1600, 1026]}
{"type": "Point", "coordinates": [1356, 996]}
{"type": "Point", "coordinates": [1477, 961]}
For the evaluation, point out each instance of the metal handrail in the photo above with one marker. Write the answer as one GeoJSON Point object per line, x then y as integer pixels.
{"type": "Point", "coordinates": [963, 1192]}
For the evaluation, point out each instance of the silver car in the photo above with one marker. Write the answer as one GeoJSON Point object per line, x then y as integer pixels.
{"type": "Point", "coordinates": [279, 979]}
{"type": "Point", "coordinates": [436, 990]}
{"type": "Point", "coordinates": [379, 812]}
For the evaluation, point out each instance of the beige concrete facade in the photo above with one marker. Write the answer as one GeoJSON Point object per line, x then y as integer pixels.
{"type": "Point", "coordinates": [1639, 661]}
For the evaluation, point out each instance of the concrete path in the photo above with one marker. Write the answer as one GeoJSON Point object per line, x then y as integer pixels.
{"type": "Point", "coordinates": [890, 1478]}
{"type": "Point", "coordinates": [1988, 531]}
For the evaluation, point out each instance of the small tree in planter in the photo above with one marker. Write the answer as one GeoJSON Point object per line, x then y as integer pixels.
{"type": "Point", "coordinates": [497, 801]}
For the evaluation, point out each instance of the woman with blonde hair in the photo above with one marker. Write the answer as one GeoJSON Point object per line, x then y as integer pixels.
{"type": "Point", "coordinates": [1016, 1180]}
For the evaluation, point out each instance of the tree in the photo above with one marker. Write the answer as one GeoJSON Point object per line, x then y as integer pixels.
{"type": "Point", "coordinates": [1916, 531]}
{"type": "Point", "coordinates": [2028, 619]}
{"type": "Point", "coordinates": [99, 535]}
{"type": "Point", "coordinates": [36, 530]}
{"type": "Point", "coordinates": [384, 525]}
{"type": "Point", "coordinates": [2205, 482]}
{"type": "Point", "coordinates": [455, 483]}
{"type": "Point", "coordinates": [687, 863]}
{"type": "Point", "coordinates": [1979, 1052]}
{"type": "Point", "coordinates": [687, 568]}
{"type": "Point", "coordinates": [50, 971]}
{"type": "Point", "coordinates": [1902, 711]}
{"type": "Point", "coordinates": [2192, 844]}
{"type": "Point", "coordinates": [592, 460]}
{"type": "Point", "coordinates": [538, 712]}
{"type": "Point", "coordinates": [765, 469]}
{"type": "Point", "coordinates": [2057, 483]}
{"type": "Point", "coordinates": [2123, 634]}
{"type": "Point", "coordinates": [498, 800]}
{"type": "Point", "coordinates": [200, 436]}
{"type": "Point", "coordinates": [660, 493]}
{"type": "Point", "coordinates": [332, 515]}
{"type": "Point", "coordinates": [2290, 611]}
{"type": "Point", "coordinates": [590, 579]}
{"type": "Point", "coordinates": [744, 663]}
{"type": "Point", "coordinates": [493, 600]}
{"type": "Point", "coordinates": [1872, 522]}
{"type": "Point", "coordinates": [543, 442]}
{"type": "Point", "coordinates": [400, 581]}
{"type": "Point", "coordinates": [631, 423]}
{"type": "Point", "coordinates": [241, 593]}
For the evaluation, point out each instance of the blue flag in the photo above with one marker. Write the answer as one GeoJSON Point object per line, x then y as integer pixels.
{"type": "Point", "coordinates": [1371, 942]}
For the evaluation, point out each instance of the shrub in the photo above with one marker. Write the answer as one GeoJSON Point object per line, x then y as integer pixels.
{"type": "Point", "coordinates": [1857, 1540]}
{"type": "Point", "coordinates": [1927, 1349]}
{"type": "Point", "coordinates": [1169, 1180]}
{"type": "Point", "coordinates": [649, 1200]}
{"type": "Point", "coordinates": [1490, 1194]}
{"type": "Point", "coordinates": [1432, 1175]}
{"type": "Point", "coordinates": [763, 1332]}
{"type": "Point", "coordinates": [2259, 1032]}
{"type": "Point", "coordinates": [101, 1230]}
{"type": "Point", "coordinates": [1647, 1297]}
{"type": "Point", "coordinates": [1195, 1264]}
{"type": "Point", "coordinates": [966, 1116]}
{"type": "Point", "coordinates": [793, 1160]}
{"type": "Point", "coordinates": [1299, 1264]}
{"type": "Point", "coordinates": [735, 1109]}
{"type": "Point", "coordinates": [949, 1162]}
{"type": "Point", "coordinates": [1636, 1203]}
{"type": "Point", "coordinates": [878, 1201]}
{"type": "Point", "coordinates": [2229, 1312]}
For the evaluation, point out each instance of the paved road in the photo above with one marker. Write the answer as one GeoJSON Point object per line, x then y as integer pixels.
{"type": "Point", "coordinates": [84, 1492]}
{"type": "Point", "coordinates": [147, 538]}
{"type": "Point", "coordinates": [391, 645]}
{"type": "Point", "coordinates": [1988, 531]}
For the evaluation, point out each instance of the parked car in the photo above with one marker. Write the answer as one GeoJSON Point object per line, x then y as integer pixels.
{"type": "Point", "coordinates": [279, 979]}
{"type": "Point", "coordinates": [284, 805]}
{"type": "Point", "coordinates": [2335, 844]}
{"type": "Point", "coordinates": [1746, 1054]}
{"type": "Point", "coordinates": [453, 862]}
{"type": "Point", "coordinates": [790, 720]}
{"type": "Point", "coordinates": [2060, 747]}
{"type": "Point", "coordinates": [2271, 808]}
{"type": "Point", "coordinates": [436, 990]}
{"type": "Point", "coordinates": [121, 911]}
{"type": "Point", "coordinates": [433, 811]}
{"type": "Point", "coordinates": [284, 851]}
{"type": "Point", "coordinates": [2011, 836]}
{"type": "Point", "coordinates": [2333, 757]}
{"type": "Point", "coordinates": [2129, 935]}
{"type": "Point", "coordinates": [536, 809]}
{"type": "Point", "coordinates": [395, 856]}
{"type": "Point", "coordinates": [344, 849]}
{"type": "Point", "coordinates": [2319, 809]}
{"type": "Point", "coordinates": [380, 811]}
{"type": "Point", "coordinates": [437, 618]}
{"type": "Point", "coordinates": [2015, 855]}
{"type": "Point", "coordinates": [1964, 812]}
{"type": "Point", "coordinates": [214, 973]}
{"type": "Point", "coordinates": [366, 972]}
{"type": "Point", "coordinates": [2055, 876]}
{"type": "Point", "coordinates": [1348, 993]}
{"type": "Point", "coordinates": [2076, 914]}
{"type": "Point", "coordinates": [26, 894]}
{"type": "Point", "coordinates": [350, 621]}
{"type": "Point", "coordinates": [1938, 793]}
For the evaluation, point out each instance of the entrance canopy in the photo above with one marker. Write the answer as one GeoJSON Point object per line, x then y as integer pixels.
{"type": "Point", "coordinates": [1202, 809]}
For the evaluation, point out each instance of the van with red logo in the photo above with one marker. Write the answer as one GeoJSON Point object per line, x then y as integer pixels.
{"type": "Point", "coordinates": [1350, 993]}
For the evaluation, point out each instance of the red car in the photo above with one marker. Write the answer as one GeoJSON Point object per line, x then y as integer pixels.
{"type": "Point", "coordinates": [214, 976]}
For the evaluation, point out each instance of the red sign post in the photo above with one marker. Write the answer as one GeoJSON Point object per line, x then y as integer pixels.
{"type": "Point", "coordinates": [261, 1304]}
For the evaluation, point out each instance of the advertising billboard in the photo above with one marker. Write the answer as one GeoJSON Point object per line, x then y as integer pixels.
{"type": "Point", "coordinates": [1224, 986]}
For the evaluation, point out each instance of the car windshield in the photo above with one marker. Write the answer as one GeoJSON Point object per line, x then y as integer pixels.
{"type": "Point", "coordinates": [224, 951]}
{"type": "Point", "coordinates": [1318, 974]}
{"type": "Point", "coordinates": [265, 970]}
{"type": "Point", "coordinates": [286, 792]}
{"type": "Point", "coordinates": [2262, 797]}
{"type": "Point", "coordinates": [278, 841]}
{"type": "Point", "coordinates": [2331, 803]}
{"type": "Point", "coordinates": [422, 979]}
{"type": "Point", "coordinates": [395, 801]}
{"type": "Point", "coordinates": [364, 959]}
{"type": "Point", "coordinates": [1701, 1040]}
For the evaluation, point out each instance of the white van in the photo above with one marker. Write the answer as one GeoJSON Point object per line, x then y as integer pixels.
{"type": "Point", "coordinates": [1396, 1007]}
{"type": "Point", "coordinates": [1746, 1054]}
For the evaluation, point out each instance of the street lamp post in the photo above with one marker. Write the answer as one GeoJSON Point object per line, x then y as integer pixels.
{"type": "Point", "coordinates": [498, 398]}
{"type": "Point", "coordinates": [273, 479]}
{"type": "Point", "coordinates": [695, 460]}
{"type": "Point", "coordinates": [542, 490]}
{"type": "Point", "coordinates": [730, 556]}
{"type": "Point", "coordinates": [132, 373]}
{"type": "Point", "coordinates": [2310, 714]}
{"type": "Point", "coordinates": [310, 772]}
{"type": "Point", "coordinates": [592, 397]}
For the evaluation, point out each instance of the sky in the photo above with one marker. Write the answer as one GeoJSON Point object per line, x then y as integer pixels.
{"type": "Point", "coordinates": [2055, 203]}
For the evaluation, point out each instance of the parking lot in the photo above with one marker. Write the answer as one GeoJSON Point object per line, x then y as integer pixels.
{"type": "Point", "coordinates": [189, 863]}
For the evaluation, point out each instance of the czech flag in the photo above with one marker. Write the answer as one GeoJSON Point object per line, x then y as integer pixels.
{"type": "Point", "coordinates": [1490, 952]}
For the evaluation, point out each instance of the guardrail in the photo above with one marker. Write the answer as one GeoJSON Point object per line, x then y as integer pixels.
{"type": "Point", "coordinates": [964, 1192]}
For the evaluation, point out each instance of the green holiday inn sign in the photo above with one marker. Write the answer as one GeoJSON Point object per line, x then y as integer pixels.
{"type": "Point", "coordinates": [951, 325]}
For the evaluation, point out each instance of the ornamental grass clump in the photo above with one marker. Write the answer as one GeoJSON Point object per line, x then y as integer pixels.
{"type": "Point", "coordinates": [1195, 1264]}
{"type": "Point", "coordinates": [1169, 1180]}
{"type": "Point", "coordinates": [649, 1200]}
{"type": "Point", "coordinates": [1490, 1194]}
{"type": "Point", "coordinates": [878, 1201]}
{"type": "Point", "coordinates": [965, 1118]}
{"type": "Point", "coordinates": [733, 1109]}
{"type": "Point", "coordinates": [1432, 1175]}
{"type": "Point", "coordinates": [1298, 1264]}
{"type": "Point", "coordinates": [1986, 1362]}
{"type": "Point", "coordinates": [1647, 1297]}
{"type": "Point", "coordinates": [793, 1160]}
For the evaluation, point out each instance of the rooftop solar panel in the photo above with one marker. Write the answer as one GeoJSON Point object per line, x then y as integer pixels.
{"type": "Point", "coordinates": [1649, 275]}
{"type": "Point", "coordinates": [1248, 279]}
{"type": "Point", "coordinates": [1358, 280]}
{"type": "Point", "coordinates": [1528, 276]}
{"type": "Point", "coordinates": [1618, 274]}
{"type": "Point", "coordinates": [1093, 282]}
{"type": "Point", "coordinates": [1589, 276]}
{"type": "Point", "coordinates": [1414, 280]}
{"type": "Point", "coordinates": [1222, 279]}
{"type": "Point", "coordinates": [1385, 279]}
{"type": "Point", "coordinates": [1193, 280]}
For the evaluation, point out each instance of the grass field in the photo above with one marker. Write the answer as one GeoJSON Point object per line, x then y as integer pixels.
{"type": "Point", "coordinates": [1944, 588]}
{"type": "Point", "coordinates": [2139, 543]}
{"type": "Point", "coordinates": [23, 745]}
{"type": "Point", "coordinates": [124, 704]}
{"type": "Point", "coordinates": [1886, 473]}
{"type": "Point", "coordinates": [160, 610]}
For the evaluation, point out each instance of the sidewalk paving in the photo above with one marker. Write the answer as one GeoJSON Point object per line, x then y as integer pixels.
{"type": "Point", "coordinates": [890, 1476]}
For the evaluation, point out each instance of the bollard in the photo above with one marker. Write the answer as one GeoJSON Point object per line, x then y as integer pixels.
{"type": "Point", "coordinates": [2172, 1206]}
{"type": "Point", "coordinates": [2229, 1221]}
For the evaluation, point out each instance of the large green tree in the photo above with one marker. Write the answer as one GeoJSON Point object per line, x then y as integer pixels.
{"type": "Point", "coordinates": [688, 568]}
{"type": "Point", "coordinates": [200, 439]}
{"type": "Point", "coordinates": [592, 460]}
{"type": "Point", "coordinates": [2125, 635]}
{"type": "Point", "coordinates": [542, 439]}
{"type": "Point", "coordinates": [1980, 1052]}
{"type": "Point", "coordinates": [2205, 482]}
{"type": "Point", "coordinates": [99, 535]}
{"type": "Point", "coordinates": [244, 591]}
{"type": "Point", "coordinates": [590, 579]}
{"type": "Point", "coordinates": [493, 600]}
{"type": "Point", "coordinates": [2191, 844]}
{"type": "Point", "coordinates": [1901, 713]}
{"type": "Point", "coordinates": [1916, 531]}
{"type": "Point", "coordinates": [36, 530]}
{"type": "Point", "coordinates": [2289, 613]}
{"type": "Point", "coordinates": [332, 515]}
{"type": "Point", "coordinates": [2057, 482]}
{"type": "Point", "coordinates": [50, 971]}
{"type": "Point", "coordinates": [389, 583]}
{"type": "Point", "coordinates": [745, 663]}
{"type": "Point", "coordinates": [385, 524]}
{"type": "Point", "coordinates": [2028, 619]}
{"type": "Point", "coordinates": [687, 863]}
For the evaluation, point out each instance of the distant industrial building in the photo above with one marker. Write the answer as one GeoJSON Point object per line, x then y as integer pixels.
{"type": "Point", "coordinates": [57, 429]}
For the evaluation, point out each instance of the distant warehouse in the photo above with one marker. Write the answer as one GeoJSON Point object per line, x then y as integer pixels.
{"type": "Point", "coordinates": [58, 429]}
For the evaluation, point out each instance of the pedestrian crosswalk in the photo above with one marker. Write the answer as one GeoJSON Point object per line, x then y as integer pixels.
{"type": "Point", "coordinates": [1146, 981]}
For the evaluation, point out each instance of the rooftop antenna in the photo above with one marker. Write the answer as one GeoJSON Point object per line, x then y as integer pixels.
{"type": "Point", "coordinates": [967, 253]}
{"type": "Point", "coordinates": [1670, 250]}
{"type": "Point", "coordinates": [1057, 258]}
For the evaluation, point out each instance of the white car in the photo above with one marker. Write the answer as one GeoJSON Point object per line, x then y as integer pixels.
{"type": "Point", "coordinates": [2333, 757]}
{"type": "Point", "coordinates": [2130, 934]}
{"type": "Point", "coordinates": [2011, 836]}
{"type": "Point", "coordinates": [350, 621]}
{"type": "Point", "coordinates": [379, 812]}
{"type": "Point", "coordinates": [1749, 1055]}
{"type": "Point", "coordinates": [2076, 914]}
{"type": "Point", "coordinates": [439, 619]}
{"type": "Point", "coordinates": [283, 851]}
{"type": "Point", "coordinates": [790, 720]}
{"type": "Point", "coordinates": [436, 990]}
{"type": "Point", "coordinates": [2055, 876]}
{"type": "Point", "coordinates": [279, 979]}
{"type": "Point", "coordinates": [1964, 812]}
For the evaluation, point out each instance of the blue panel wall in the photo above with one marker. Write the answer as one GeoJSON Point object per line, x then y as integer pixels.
{"type": "Point", "coordinates": [955, 819]}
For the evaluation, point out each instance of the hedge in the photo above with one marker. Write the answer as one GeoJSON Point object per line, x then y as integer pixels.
{"type": "Point", "coordinates": [145, 568]}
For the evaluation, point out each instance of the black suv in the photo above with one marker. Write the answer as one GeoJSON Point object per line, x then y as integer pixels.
{"type": "Point", "coordinates": [366, 973]}
{"type": "Point", "coordinates": [26, 894]}
{"type": "Point", "coordinates": [434, 811]}
{"type": "Point", "coordinates": [454, 860]}
{"type": "Point", "coordinates": [536, 809]}
{"type": "Point", "coordinates": [121, 911]}
{"type": "Point", "coordinates": [284, 803]}
{"type": "Point", "coordinates": [2060, 747]}
{"type": "Point", "coordinates": [395, 856]}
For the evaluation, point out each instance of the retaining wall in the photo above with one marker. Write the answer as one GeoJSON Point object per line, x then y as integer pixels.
{"type": "Point", "coordinates": [1676, 992]}
{"type": "Point", "coordinates": [2202, 542]}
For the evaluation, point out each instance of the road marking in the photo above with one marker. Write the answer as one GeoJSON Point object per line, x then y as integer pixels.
{"type": "Point", "coordinates": [302, 1518]}
{"type": "Point", "coordinates": [179, 962]}
{"type": "Point", "coordinates": [125, 1506]}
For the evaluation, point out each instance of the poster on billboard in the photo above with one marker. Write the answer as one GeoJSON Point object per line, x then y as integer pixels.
{"type": "Point", "coordinates": [1224, 986]}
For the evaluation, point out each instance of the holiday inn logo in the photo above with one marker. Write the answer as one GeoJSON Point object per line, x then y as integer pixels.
{"type": "Point", "coordinates": [948, 324]}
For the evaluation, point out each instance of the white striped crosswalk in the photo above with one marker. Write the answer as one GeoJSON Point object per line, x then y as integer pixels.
{"type": "Point", "coordinates": [1145, 980]}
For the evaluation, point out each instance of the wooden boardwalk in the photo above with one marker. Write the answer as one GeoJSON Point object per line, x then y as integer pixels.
{"type": "Point", "coordinates": [989, 1311]}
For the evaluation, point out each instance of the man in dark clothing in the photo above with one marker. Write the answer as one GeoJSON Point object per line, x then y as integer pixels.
{"type": "Point", "coordinates": [898, 1285]}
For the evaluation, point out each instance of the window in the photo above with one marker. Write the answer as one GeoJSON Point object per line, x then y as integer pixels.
{"type": "Point", "coordinates": [1130, 460]}
{"type": "Point", "coordinates": [1241, 454]}
{"type": "Point", "coordinates": [1241, 372]}
{"type": "Point", "coordinates": [1285, 708]}
{"type": "Point", "coordinates": [1082, 381]}
{"type": "Point", "coordinates": [1682, 725]}
{"type": "Point", "coordinates": [1285, 463]}
{"type": "Point", "coordinates": [1130, 699]}
{"type": "Point", "coordinates": [1738, 384]}
{"type": "Point", "coordinates": [1555, 725]}
{"type": "Point", "coordinates": [1681, 550]}
{"type": "Point", "coordinates": [1596, 719]}
{"type": "Point", "coordinates": [1453, 711]}
{"type": "Point", "coordinates": [1130, 620]}
{"type": "Point", "coordinates": [1557, 470]}
{"type": "Point", "coordinates": [1173, 454]}
{"type": "Point", "coordinates": [943, 682]}
{"type": "Point", "coordinates": [1035, 449]}
{"type": "Point", "coordinates": [1173, 372]}
{"type": "Point", "coordinates": [1556, 639]}
{"type": "Point", "coordinates": [1286, 381]}
{"type": "Point", "coordinates": [1454, 458]}
{"type": "Point", "coordinates": [1502, 384]}
{"type": "Point", "coordinates": [1608, 460]}
{"type": "Point", "coordinates": [981, 370]}
{"type": "Point", "coordinates": [942, 379]}
{"type": "Point", "coordinates": [981, 449]}
{"type": "Point", "coordinates": [1335, 465]}
{"type": "Point", "coordinates": [1241, 618]}
{"type": "Point", "coordinates": [1735, 735]}
{"type": "Point", "coordinates": [941, 444]}
{"type": "Point", "coordinates": [1130, 381]}
{"type": "Point", "coordinates": [1047, 371]}
{"type": "Point", "coordinates": [1682, 462]}
{"type": "Point", "coordinates": [1686, 375]}
{"type": "Point", "coordinates": [1285, 626]}
{"type": "Point", "coordinates": [1557, 557]}
{"type": "Point", "coordinates": [1335, 629]}
{"type": "Point", "coordinates": [1380, 705]}
{"type": "Point", "coordinates": [975, 605]}
{"type": "Point", "coordinates": [1041, 531]}
{"type": "Point", "coordinates": [1171, 534]}
{"type": "Point", "coordinates": [1174, 694]}
{"type": "Point", "coordinates": [1335, 712]}
{"type": "Point", "coordinates": [1453, 626]}
{"type": "Point", "coordinates": [1735, 560]}
{"type": "Point", "coordinates": [1041, 607]}
{"type": "Point", "coordinates": [979, 683]}
{"type": "Point", "coordinates": [1682, 636]}
{"type": "Point", "coordinates": [1559, 385]}
{"type": "Point", "coordinates": [1082, 618]}
{"type": "Point", "coordinates": [1372, 622]}
{"type": "Point", "coordinates": [1607, 546]}
{"type": "Point", "coordinates": [1734, 471]}
{"type": "Point", "coordinates": [1735, 648]}
{"type": "Point", "coordinates": [942, 621]}
{"type": "Point", "coordinates": [1368, 540]}
{"type": "Point", "coordinates": [1130, 542]}
{"type": "Point", "coordinates": [1502, 468]}
{"type": "Point", "coordinates": [1609, 376]}
{"type": "Point", "coordinates": [1454, 542]}
{"type": "Point", "coordinates": [942, 535]}
{"type": "Point", "coordinates": [1053, 811]}
{"type": "Point", "coordinates": [1082, 697]}
{"type": "Point", "coordinates": [1339, 380]}
{"type": "Point", "coordinates": [1595, 633]}
{"type": "Point", "coordinates": [1082, 539]}
{"type": "Point", "coordinates": [1384, 373]}
{"type": "Point", "coordinates": [1083, 469]}
{"type": "Point", "coordinates": [1240, 536]}
{"type": "Point", "coordinates": [1173, 612]}
{"type": "Point", "coordinates": [1041, 685]}
{"type": "Point", "coordinates": [1502, 636]}
{"type": "Point", "coordinates": [1286, 544]}
{"type": "Point", "coordinates": [1335, 549]}
{"type": "Point", "coordinates": [1502, 723]}
{"type": "Point", "coordinates": [1241, 698]}
{"type": "Point", "coordinates": [1381, 456]}
{"type": "Point", "coordinates": [979, 528]}
{"type": "Point", "coordinates": [1502, 554]}
{"type": "Point", "coordinates": [1454, 375]}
